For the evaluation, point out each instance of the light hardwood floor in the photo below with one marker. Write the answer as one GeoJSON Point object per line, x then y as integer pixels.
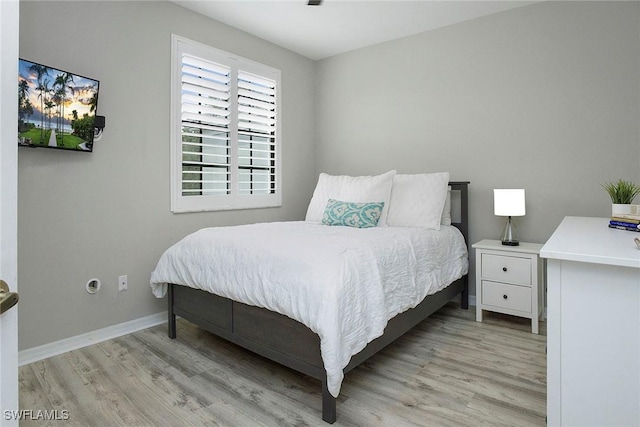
{"type": "Point", "coordinates": [448, 371]}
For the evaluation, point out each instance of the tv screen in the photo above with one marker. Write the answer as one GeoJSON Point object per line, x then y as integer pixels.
{"type": "Point", "coordinates": [56, 109]}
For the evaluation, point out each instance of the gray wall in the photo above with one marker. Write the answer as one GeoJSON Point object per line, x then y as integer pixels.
{"type": "Point", "coordinates": [107, 213]}
{"type": "Point", "coordinates": [544, 97]}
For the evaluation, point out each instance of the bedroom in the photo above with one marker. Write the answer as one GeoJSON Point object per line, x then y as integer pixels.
{"type": "Point", "coordinates": [543, 97]}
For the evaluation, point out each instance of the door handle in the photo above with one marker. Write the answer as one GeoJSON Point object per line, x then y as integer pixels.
{"type": "Point", "coordinates": [7, 299]}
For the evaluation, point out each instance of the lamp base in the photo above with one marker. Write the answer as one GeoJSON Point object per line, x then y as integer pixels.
{"type": "Point", "coordinates": [509, 234]}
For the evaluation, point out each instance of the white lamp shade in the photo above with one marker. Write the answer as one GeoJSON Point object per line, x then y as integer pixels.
{"type": "Point", "coordinates": [508, 202]}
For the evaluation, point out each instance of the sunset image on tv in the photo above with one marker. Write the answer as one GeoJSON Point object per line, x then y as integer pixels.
{"type": "Point", "coordinates": [56, 109]}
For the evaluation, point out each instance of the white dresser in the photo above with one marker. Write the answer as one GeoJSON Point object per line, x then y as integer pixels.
{"type": "Point", "coordinates": [510, 280]}
{"type": "Point", "coordinates": [593, 325]}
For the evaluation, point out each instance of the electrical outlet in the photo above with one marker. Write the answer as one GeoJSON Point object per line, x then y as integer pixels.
{"type": "Point", "coordinates": [122, 283]}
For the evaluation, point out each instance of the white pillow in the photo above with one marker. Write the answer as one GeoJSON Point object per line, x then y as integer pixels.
{"type": "Point", "coordinates": [446, 211]}
{"type": "Point", "coordinates": [358, 189]}
{"type": "Point", "coordinates": [418, 200]}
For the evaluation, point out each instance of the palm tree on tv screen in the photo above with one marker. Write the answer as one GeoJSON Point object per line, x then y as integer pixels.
{"type": "Point", "coordinates": [41, 71]}
{"type": "Point", "coordinates": [48, 105]}
{"type": "Point", "coordinates": [62, 83]}
{"type": "Point", "coordinates": [23, 101]}
{"type": "Point", "coordinates": [93, 102]}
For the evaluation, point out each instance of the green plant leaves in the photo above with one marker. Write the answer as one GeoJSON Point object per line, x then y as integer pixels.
{"type": "Point", "coordinates": [621, 192]}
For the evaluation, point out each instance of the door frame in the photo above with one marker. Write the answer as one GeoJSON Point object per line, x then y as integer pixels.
{"type": "Point", "coordinates": [9, 33]}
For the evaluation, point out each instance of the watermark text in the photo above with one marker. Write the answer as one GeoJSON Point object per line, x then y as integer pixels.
{"type": "Point", "coordinates": [36, 415]}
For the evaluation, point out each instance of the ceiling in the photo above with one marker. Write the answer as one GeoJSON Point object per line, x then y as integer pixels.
{"type": "Point", "coordinates": [339, 26]}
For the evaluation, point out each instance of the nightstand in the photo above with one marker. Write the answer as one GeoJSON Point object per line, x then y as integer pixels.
{"type": "Point", "coordinates": [509, 280]}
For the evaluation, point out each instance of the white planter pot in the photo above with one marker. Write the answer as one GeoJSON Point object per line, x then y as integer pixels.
{"type": "Point", "coordinates": [617, 209]}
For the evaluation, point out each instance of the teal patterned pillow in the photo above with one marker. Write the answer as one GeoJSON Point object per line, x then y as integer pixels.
{"type": "Point", "coordinates": [361, 215]}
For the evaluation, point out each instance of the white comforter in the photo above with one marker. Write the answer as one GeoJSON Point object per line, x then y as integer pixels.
{"type": "Point", "coordinates": [343, 283]}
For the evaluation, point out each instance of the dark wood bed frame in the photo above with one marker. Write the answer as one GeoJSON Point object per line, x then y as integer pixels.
{"type": "Point", "coordinates": [293, 344]}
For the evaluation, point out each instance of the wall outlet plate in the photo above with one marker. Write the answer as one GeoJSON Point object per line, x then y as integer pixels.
{"type": "Point", "coordinates": [122, 283]}
{"type": "Point", "coordinates": [93, 286]}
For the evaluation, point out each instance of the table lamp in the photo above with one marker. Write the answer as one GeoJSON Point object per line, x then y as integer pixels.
{"type": "Point", "coordinates": [509, 202]}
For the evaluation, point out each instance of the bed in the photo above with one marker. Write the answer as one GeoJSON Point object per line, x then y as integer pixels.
{"type": "Point", "coordinates": [273, 322]}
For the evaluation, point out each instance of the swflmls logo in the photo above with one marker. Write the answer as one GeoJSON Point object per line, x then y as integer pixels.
{"type": "Point", "coordinates": [30, 414]}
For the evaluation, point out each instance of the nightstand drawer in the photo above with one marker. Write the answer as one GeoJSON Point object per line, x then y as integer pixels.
{"type": "Point", "coordinates": [506, 296]}
{"type": "Point", "coordinates": [508, 269]}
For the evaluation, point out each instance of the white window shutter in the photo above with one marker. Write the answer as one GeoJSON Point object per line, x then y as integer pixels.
{"type": "Point", "coordinates": [225, 136]}
{"type": "Point", "coordinates": [206, 159]}
{"type": "Point", "coordinates": [256, 134]}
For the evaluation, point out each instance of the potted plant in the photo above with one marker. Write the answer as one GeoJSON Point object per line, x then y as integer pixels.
{"type": "Point", "coordinates": [622, 194]}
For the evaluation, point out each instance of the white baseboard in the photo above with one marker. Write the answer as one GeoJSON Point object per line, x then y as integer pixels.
{"type": "Point", "coordinates": [472, 300]}
{"type": "Point", "coordinates": [34, 354]}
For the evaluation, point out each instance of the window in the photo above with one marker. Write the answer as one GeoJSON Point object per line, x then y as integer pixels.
{"type": "Point", "coordinates": [224, 130]}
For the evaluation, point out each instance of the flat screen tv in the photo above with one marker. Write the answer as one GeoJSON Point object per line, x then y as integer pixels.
{"type": "Point", "coordinates": [56, 109]}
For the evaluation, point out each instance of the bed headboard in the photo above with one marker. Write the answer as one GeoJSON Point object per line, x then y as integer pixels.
{"type": "Point", "coordinates": [460, 207]}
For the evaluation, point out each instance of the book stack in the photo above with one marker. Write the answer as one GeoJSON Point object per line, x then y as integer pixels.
{"type": "Point", "coordinates": [625, 222]}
